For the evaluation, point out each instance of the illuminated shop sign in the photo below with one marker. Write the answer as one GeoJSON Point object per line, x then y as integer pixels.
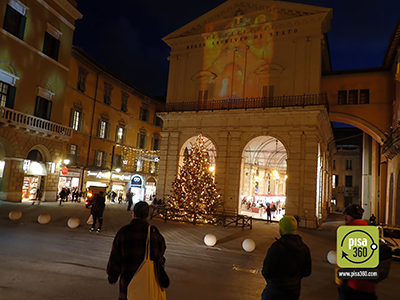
{"type": "Point", "coordinates": [136, 181]}
{"type": "Point", "coordinates": [71, 174]}
{"type": "Point", "coordinates": [98, 174]}
{"type": "Point", "coordinates": [121, 177]}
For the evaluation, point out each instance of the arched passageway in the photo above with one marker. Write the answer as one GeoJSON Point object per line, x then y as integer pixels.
{"type": "Point", "coordinates": [263, 178]}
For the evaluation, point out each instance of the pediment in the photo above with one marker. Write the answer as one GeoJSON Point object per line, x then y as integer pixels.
{"type": "Point", "coordinates": [236, 14]}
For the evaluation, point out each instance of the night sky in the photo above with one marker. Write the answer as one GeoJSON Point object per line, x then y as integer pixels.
{"type": "Point", "coordinates": [125, 35]}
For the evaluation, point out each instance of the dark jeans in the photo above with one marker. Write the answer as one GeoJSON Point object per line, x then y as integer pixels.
{"type": "Point", "coordinates": [270, 294]}
{"type": "Point", "coordinates": [347, 293]}
{"type": "Point", "coordinates": [97, 216]}
{"type": "Point", "coordinates": [130, 202]}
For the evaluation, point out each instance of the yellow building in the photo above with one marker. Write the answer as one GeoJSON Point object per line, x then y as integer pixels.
{"type": "Point", "coordinates": [35, 50]}
{"type": "Point", "coordinates": [116, 133]}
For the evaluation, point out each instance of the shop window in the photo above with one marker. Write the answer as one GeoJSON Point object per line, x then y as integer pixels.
{"type": "Point", "coordinates": [353, 96]}
{"type": "Point", "coordinates": [43, 108]}
{"type": "Point", "coordinates": [7, 95]}
{"type": "Point", "coordinates": [15, 20]}
{"type": "Point", "coordinates": [142, 140]}
{"type": "Point", "coordinates": [82, 79]}
{"type": "Point", "coordinates": [364, 96]}
{"type": "Point", "coordinates": [349, 181]}
{"type": "Point", "coordinates": [144, 114]}
{"type": "Point", "coordinates": [124, 102]}
{"type": "Point", "coordinates": [155, 143]}
{"type": "Point", "coordinates": [120, 135]}
{"type": "Point", "coordinates": [158, 121]}
{"type": "Point", "coordinates": [73, 154]}
{"type": "Point", "coordinates": [107, 93]}
{"type": "Point", "coordinates": [103, 129]}
{"type": "Point", "coordinates": [349, 164]}
{"type": "Point", "coordinates": [342, 97]}
{"type": "Point", "coordinates": [51, 46]}
{"type": "Point", "coordinates": [77, 119]}
{"type": "Point", "coordinates": [100, 159]}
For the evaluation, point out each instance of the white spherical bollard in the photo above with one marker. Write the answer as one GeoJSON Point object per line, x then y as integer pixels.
{"type": "Point", "coordinates": [248, 245]}
{"type": "Point", "coordinates": [73, 222]}
{"type": "Point", "coordinates": [332, 257]}
{"type": "Point", "coordinates": [44, 219]}
{"type": "Point", "coordinates": [210, 239]}
{"type": "Point", "coordinates": [15, 215]}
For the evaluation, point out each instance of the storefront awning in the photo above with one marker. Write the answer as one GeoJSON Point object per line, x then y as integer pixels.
{"type": "Point", "coordinates": [37, 168]}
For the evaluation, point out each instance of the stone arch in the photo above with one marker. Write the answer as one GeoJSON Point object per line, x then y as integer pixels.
{"type": "Point", "coordinates": [6, 149]}
{"type": "Point", "coordinates": [364, 125]}
{"type": "Point", "coordinates": [209, 144]}
{"type": "Point", "coordinates": [43, 151]}
{"type": "Point", "coordinates": [263, 174]}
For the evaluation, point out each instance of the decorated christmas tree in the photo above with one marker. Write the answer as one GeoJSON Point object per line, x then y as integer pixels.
{"type": "Point", "coordinates": [195, 196]}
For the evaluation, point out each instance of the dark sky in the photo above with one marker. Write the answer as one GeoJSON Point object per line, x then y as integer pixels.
{"type": "Point", "coordinates": [125, 35]}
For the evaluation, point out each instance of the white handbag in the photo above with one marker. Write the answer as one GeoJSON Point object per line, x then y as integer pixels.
{"type": "Point", "coordinates": [90, 219]}
{"type": "Point", "coordinates": [144, 284]}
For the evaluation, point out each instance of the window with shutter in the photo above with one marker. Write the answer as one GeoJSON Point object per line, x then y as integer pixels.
{"type": "Point", "coordinates": [43, 108]}
{"type": "Point", "coordinates": [342, 97]}
{"type": "Point", "coordinates": [364, 96]}
{"type": "Point", "coordinates": [82, 79]}
{"type": "Point", "coordinates": [15, 20]}
{"type": "Point", "coordinates": [51, 46]}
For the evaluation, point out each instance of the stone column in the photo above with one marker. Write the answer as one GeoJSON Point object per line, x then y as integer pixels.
{"type": "Point", "coordinates": [383, 189]}
{"type": "Point", "coordinates": [169, 158]}
{"type": "Point", "coordinates": [375, 179]}
{"type": "Point", "coordinates": [16, 180]}
{"type": "Point", "coordinates": [366, 175]}
{"type": "Point", "coordinates": [221, 172]}
{"type": "Point", "coordinates": [233, 170]}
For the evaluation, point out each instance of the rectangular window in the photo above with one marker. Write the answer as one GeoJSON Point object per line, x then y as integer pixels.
{"type": "Point", "coordinates": [203, 96]}
{"type": "Point", "coordinates": [76, 119]}
{"type": "Point", "coordinates": [118, 162]}
{"type": "Point", "coordinates": [124, 102]}
{"type": "Point", "coordinates": [82, 79]}
{"type": "Point", "coordinates": [155, 144]}
{"type": "Point", "coordinates": [142, 141]}
{"type": "Point", "coordinates": [139, 166]}
{"type": "Point", "coordinates": [120, 135]}
{"type": "Point", "coordinates": [107, 93]}
{"type": "Point", "coordinates": [364, 96]}
{"type": "Point", "coordinates": [268, 91]}
{"type": "Point", "coordinates": [102, 129]}
{"type": "Point", "coordinates": [14, 21]}
{"type": "Point", "coordinates": [43, 108]}
{"type": "Point", "coordinates": [353, 96]}
{"type": "Point", "coordinates": [349, 181]}
{"type": "Point", "coordinates": [100, 159]}
{"type": "Point", "coordinates": [334, 164]}
{"type": "Point", "coordinates": [144, 114]}
{"type": "Point", "coordinates": [342, 97]}
{"type": "Point", "coordinates": [349, 164]}
{"type": "Point", "coordinates": [7, 95]}
{"type": "Point", "coordinates": [158, 121]}
{"type": "Point", "coordinates": [51, 46]}
{"type": "Point", "coordinates": [335, 181]}
{"type": "Point", "coordinates": [73, 153]}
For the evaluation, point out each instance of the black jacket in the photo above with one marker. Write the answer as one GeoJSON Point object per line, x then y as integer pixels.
{"type": "Point", "coordinates": [288, 260]}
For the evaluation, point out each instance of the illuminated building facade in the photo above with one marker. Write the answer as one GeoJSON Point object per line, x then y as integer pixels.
{"type": "Point", "coordinates": [247, 75]}
{"type": "Point", "coordinates": [116, 133]}
{"type": "Point", "coordinates": [35, 50]}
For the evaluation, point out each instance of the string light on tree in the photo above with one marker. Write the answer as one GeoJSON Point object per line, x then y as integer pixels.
{"type": "Point", "coordinates": [195, 197]}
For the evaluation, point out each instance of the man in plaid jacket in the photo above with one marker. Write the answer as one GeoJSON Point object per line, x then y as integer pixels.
{"type": "Point", "coordinates": [128, 249]}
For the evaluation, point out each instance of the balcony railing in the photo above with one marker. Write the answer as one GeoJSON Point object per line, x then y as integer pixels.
{"type": "Point", "coordinates": [245, 103]}
{"type": "Point", "coordinates": [32, 124]}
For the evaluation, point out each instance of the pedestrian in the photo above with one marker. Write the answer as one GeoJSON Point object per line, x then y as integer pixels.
{"type": "Point", "coordinates": [288, 261]}
{"type": "Point", "coordinates": [269, 214]}
{"type": "Point", "coordinates": [97, 211]}
{"type": "Point", "coordinates": [372, 220]}
{"type": "Point", "coordinates": [129, 198]}
{"type": "Point", "coordinates": [120, 199]}
{"type": "Point", "coordinates": [362, 289]}
{"type": "Point", "coordinates": [113, 196]}
{"type": "Point", "coordinates": [128, 248]}
{"type": "Point", "coordinates": [62, 195]}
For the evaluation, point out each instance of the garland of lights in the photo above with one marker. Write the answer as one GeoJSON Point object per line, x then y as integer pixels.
{"type": "Point", "coordinates": [131, 155]}
{"type": "Point", "coordinates": [195, 197]}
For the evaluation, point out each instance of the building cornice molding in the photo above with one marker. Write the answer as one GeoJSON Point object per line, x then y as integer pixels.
{"type": "Point", "coordinates": [57, 14]}
{"type": "Point", "coordinates": [69, 8]}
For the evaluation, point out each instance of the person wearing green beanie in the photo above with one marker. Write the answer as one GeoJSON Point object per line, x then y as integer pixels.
{"type": "Point", "coordinates": [288, 261]}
